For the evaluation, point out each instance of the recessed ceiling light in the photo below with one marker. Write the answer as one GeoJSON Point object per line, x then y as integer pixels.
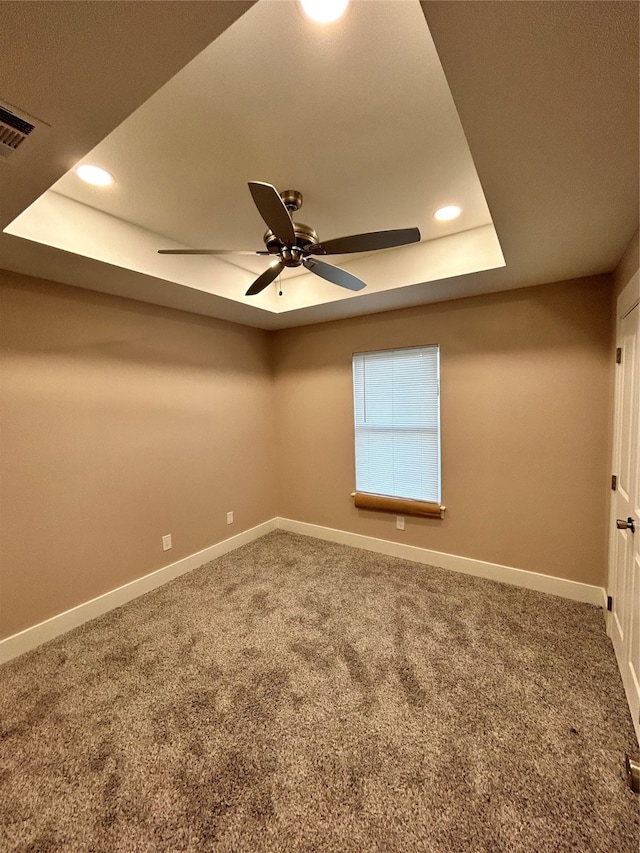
{"type": "Point", "coordinates": [446, 213]}
{"type": "Point", "coordinates": [324, 11]}
{"type": "Point", "coordinates": [94, 175]}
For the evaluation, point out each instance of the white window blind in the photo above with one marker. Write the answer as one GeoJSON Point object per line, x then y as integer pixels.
{"type": "Point", "coordinates": [397, 422]}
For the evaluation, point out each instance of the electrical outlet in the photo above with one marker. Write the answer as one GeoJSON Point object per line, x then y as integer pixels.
{"type": "Point", "coordinates": [400, 522]}
{"type": "Point", "coordinates": [166, 542]}
{"type": "Point", "coordinates": [229, 518]}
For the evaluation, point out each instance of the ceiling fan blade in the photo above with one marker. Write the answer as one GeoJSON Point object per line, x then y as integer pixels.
{"type": "Point", "coordinates": [272, 209]}
{"type": "Point", "coordinates": [333, 274]}
{"type": "Point", "coordinates": [365, 242]}
{"type": "Point", "coordinates": [210, 252]}
{"type": "Point", "coordinates": [269, 275]}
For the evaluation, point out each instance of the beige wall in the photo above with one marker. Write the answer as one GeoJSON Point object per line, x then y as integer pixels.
{"type": "Point", "coordinates": [121, 422]}
{"type": "Point", "coordinates": [525, 396]}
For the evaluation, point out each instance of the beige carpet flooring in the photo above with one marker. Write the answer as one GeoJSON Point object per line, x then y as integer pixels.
{"type": "Point", "coordinates": [297, 695]}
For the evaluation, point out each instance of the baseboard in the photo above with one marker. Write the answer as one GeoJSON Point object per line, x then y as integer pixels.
{"type": "Point", "coordinates": [493, 571]}
{"type": "Point", "coordinates": [30, 638]}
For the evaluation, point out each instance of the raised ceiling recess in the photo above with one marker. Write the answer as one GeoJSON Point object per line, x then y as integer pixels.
{"type": "Point", "coordinates": [364, 125]}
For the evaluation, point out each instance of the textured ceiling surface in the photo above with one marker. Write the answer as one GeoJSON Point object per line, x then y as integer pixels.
{"type": "Point", "coordinates": [379, 119]}
{"type": "Point", "coordinates": [358, 117]}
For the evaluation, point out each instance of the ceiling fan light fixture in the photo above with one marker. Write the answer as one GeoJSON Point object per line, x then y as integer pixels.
{"type": "Point", "coordinates": [324, 11]}
{"type": "Point", "coordinates": [94, 175]}
{"type": "Point", "coordinates": [444, 214]}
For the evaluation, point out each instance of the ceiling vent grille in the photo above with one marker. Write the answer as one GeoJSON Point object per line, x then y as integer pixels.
{"type": "Point", "coordinates": [13, 132]}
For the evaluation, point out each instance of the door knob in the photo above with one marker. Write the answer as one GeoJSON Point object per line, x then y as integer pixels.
{"type": "Point", "coordinates": [629, 524]}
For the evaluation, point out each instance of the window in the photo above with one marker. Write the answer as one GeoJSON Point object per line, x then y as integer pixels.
{"type": "Point", "coordinates": [397, 423]}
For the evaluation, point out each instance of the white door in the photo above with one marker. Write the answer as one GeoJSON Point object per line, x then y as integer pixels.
{"type": "Point", "coordinates": [624, 568]}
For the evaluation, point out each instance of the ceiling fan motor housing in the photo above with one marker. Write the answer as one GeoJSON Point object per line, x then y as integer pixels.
{"type": "Point", "coordinates": [291, 256]}
{"type": "Point", "coordinates": [305, 237]}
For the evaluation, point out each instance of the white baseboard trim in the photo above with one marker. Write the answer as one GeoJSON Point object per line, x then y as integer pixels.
{"type": "Point", "coordinates": [493, 571]}
{"type": "Point", "coordinates": [30, 638]}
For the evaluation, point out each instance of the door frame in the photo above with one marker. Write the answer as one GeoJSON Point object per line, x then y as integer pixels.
{"type": "Point", "coordinates": [626, 302]}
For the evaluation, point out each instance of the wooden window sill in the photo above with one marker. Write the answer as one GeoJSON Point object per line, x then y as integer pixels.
{"type": "Point", "coordinates": [399, 506]}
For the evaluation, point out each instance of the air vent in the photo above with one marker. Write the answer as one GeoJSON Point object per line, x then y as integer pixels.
{"type": "Point", "coordinates": [20, 134]}
{"type": "Point", "coordinates": [13, 132]}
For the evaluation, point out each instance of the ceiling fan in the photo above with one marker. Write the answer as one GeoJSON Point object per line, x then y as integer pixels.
{"type": "Point", "coordinates": [292, 244]}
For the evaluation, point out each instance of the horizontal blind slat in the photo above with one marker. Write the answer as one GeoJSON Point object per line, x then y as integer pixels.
{"type": "Point", "coordinates": [397, 422]}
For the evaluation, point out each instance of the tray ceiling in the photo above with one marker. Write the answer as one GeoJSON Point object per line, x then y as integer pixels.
{"type": "Point", "coordinates": [358, 115]}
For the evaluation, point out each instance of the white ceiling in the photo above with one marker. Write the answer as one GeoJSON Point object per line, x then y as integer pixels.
{"type": "Point", "coordinates": [358, 116]}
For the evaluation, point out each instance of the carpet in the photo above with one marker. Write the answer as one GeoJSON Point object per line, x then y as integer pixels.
{"type": "Point", "coordinates": [297, 695]}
